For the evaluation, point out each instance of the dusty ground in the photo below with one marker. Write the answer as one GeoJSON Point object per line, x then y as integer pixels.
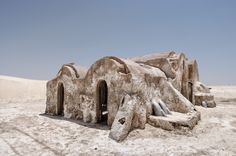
{"type": "Point", "coordinates": [24, 130]}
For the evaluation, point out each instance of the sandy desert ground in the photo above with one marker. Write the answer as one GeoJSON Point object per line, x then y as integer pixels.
{"type": "Point", "coordinates": [25, 130]}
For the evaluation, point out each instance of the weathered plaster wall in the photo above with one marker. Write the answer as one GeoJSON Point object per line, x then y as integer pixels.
{"type": "Point", "coordinates": [132, 87]}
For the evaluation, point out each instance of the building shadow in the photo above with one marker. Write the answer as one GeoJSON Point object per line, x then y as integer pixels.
{"type": "Point", "coordinates": [100, 126]}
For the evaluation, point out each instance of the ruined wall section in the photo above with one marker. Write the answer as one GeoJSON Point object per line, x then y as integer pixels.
{"type": "Point", "coordinates": [173, 65]}
{"type": "Point", "coordinates": [148, 83]}
{"type": "Point", "coordinates": [145, 80]}
{"type": "Point", "coordinates": [176, 62]}
{"type": "Point", "coordinates": [151, 83]}
{"type": "Point", "coordinates": [185, 91]}
{"type": "Point", "coordinates": [174, 100]}
{"type": "Point", "coordinates": [182, 73]}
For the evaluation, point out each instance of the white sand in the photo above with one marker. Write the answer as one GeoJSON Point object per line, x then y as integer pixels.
{"type": "Point", "coordinates": [224, 92]}
{"type": "Point", "coordinates": [24, 131]}
{"type": "Point", "coordinates": [18, 89]}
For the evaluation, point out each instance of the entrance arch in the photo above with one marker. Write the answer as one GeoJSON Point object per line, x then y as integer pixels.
{"type": "Point", "coordinates": [102, 98]}
{"type": "Point", "coordinates": [190, 89]}
{"type": "Point", "coordinates": [60, 99]}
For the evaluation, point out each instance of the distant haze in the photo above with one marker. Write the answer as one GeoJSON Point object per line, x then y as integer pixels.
{"type": "Point", "coordinates": [37, 37]}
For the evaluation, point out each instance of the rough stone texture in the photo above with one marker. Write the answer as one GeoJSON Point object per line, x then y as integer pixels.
{"type": "Point", "coordinates": [175, 120]}
{"type": "Point", "coordinates": [120, 92]}
{"type": "Point", "coordinates": [123, 120]}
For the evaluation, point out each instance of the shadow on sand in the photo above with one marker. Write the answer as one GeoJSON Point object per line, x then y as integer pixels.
{"type": "Point", "coordinates": [101, 126]}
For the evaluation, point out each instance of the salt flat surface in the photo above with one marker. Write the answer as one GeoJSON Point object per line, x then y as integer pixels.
{"type": "Point", "coordinates": [25, 130]}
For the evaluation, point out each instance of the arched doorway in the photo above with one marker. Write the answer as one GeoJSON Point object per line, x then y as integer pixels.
{"type": "Point", "coordinates": [60, 99]}
{"type": "Point", "coordinates": [102, 97]}
{"type": "Point", "coordinates": [190, 89]}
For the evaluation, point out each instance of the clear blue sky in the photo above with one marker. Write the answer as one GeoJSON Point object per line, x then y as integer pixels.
{"type": "Point", "coordinates": [37, 37]}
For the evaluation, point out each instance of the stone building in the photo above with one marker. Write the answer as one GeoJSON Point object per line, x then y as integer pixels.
{"type": "Point", "coordinates": [159, 89]}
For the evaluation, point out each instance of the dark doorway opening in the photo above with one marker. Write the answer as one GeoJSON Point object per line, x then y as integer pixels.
{"type": "Point", "coordinates": [102, 97]}
{"type": "Point", "coordinates": [190, 89]}
{"type": "Point", "coordinates": [60, 99]}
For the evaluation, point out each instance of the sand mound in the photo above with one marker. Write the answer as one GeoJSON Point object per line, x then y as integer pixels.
{"type": "Point", "coordinates": [19, 89]}
{"type": "Point", "coordinates": [224, 93]}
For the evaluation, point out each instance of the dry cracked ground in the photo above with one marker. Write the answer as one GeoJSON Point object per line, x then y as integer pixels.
{"type": "Point", "coordinates": [25, 130]}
